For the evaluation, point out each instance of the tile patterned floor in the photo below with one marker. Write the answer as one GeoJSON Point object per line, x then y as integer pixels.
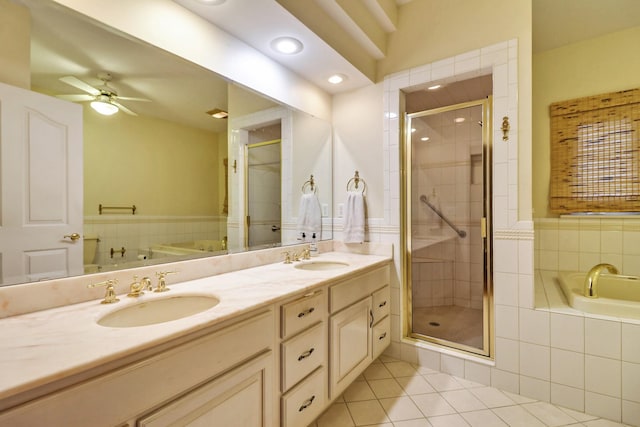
{"type": "Point", "coordinates": [392, 393]}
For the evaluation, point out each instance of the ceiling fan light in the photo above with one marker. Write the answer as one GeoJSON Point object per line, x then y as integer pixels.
{"type": "Point", "coordinates": [104, 108]}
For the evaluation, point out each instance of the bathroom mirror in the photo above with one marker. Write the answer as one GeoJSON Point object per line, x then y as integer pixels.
{"type": "Point", "coordinates": [166, 183]}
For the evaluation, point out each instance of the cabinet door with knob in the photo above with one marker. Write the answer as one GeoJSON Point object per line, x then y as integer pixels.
{"type": "Point", "coordinates": [359, 326]}
{"type": "Point", "coordinates": [350, 344]}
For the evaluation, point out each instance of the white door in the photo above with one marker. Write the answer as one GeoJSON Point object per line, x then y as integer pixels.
{"type": "Point", "coordinates": [40, 186]}
{"type": "Point", "coordinates": [264, 194]}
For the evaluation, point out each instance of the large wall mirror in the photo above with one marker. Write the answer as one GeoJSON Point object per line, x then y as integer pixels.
{"type": "Point", "coordinates": [162, 179]}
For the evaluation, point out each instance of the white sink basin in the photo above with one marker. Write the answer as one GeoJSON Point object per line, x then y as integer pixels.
{"type": "Point", "coordinates": [321, 265]}
{"type": "Point", "coordinates": [158, 311]}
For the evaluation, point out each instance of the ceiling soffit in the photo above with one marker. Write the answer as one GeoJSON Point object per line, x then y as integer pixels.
{"type": "Point", "coordinates": [358, 30]}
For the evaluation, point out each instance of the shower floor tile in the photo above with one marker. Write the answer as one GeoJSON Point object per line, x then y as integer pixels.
{"type": "Point", "coordinates": [452, 323]}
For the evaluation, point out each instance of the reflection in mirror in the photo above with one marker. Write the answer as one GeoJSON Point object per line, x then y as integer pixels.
{"type": "Point", "coordinates": [183, 170]}
{"type": "Point", "coordinates": [263, 189]}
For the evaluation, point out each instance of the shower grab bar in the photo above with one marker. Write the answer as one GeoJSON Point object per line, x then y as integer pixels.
{"type": "Point", "coordinates": [460, 233]}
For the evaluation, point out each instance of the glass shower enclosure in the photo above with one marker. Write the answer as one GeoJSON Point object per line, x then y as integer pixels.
{"type": "Point", "coordinates": [447, 217]}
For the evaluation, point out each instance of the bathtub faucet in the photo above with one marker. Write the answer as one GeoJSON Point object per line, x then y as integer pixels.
{"type": "Point", "coordinates": [591, 281]}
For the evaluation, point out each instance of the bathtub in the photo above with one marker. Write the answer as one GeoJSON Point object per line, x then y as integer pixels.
{"type": "Point", "coordinates": [618, 295]}
{"type": "Point", "coordinates": [194, 247]}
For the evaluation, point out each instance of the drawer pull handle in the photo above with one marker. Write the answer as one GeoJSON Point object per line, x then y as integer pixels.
{"type": "Point", "coordinates": [306, 312]}
{"type": "Point", "coordinates": [382, 304]}
{"type": "Point", "coordinates": [383, 336]}
{"type": "Point", "coordinates": [371, 315]}
{"type": "Point", "coordinates": [308, 403]}
{"type": "Point", "coordinates": [306, 354]}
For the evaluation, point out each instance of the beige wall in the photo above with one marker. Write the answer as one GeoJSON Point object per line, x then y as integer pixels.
{"type": "Point", "coordinates": [429, 30]}
{"type": "Point", "coordinates": [161, 167]}
{"type": "Point", "coordinates": [15, 33]}
{"type": "Point", "coordinates": [600, 65]}
{"type": "Point", "coordinates": [357, 122]}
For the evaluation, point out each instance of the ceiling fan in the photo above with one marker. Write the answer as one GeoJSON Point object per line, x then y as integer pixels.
{"type": "Point", "coordinates": [104, 98]}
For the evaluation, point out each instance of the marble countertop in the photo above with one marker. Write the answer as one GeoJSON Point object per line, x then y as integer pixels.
{"type": "Point", "coordinates": [40, 348]}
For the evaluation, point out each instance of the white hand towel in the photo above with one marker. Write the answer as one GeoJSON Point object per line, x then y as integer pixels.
{"type": "Point", "coordinates": [309, 215]}
{"type": "Point", "coordinates": [354, 218]}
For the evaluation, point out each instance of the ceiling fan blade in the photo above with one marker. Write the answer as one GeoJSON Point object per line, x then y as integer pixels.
{"type": "Point", "coordinates": [123, 108]}
{"type": "Point", "coordinates": [76, 98]}
{"type": "Point", "coordinates": [77, 83]}
{"type": "Point", "coordinates": [126, 98]}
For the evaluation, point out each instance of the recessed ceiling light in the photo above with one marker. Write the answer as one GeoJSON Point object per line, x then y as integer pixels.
{"type": "Point", "coordinates": [287, 45]}
{"type": "Point", "coordinates": [337, 78]}
{"type": "Point", "coordinates": [424, 138]}
{"type": "Point", "coordinates": [217, 113]}
{"type": "Point", "coordinates": [212, 2]}
{"type": "Point", "coordinates": [434, 87]}
{"type": "Point", "coordinates": [413, 130]}
{"type": "Point", "coordinates": [459, 119]}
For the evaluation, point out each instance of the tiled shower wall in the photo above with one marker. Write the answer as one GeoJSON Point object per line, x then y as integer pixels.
{"type": "Point", "coordinates": [447, 169]}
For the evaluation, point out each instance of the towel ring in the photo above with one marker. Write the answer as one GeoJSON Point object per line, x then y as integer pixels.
{"type": "Point", "coordinates": [356, 180]}
{"type": "Point", "coordinates": [310, 185]}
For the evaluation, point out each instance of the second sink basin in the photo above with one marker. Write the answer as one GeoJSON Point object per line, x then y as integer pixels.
{"type": "Point", "coordinates": [158, 311]}
{"type": "Point", "coordinates": [321, 265]}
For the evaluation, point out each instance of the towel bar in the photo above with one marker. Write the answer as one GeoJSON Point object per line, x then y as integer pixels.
{"type": "Point", "coordinates": [132, 208]}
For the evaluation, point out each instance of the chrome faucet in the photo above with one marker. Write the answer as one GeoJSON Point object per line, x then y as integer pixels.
{"type": "Point", "coordinates": [591, 281]}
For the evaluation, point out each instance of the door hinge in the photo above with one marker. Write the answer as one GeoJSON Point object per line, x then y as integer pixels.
{"type": "Point", "coordinates": [483, 227]}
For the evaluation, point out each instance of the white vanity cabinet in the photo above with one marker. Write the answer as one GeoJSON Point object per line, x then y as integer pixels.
{"type": "Point", "coordinates": [235, 399]}
{"type": "Point", "coordinates": [214, 375]}
{"type": "Point", "coordinates": [359, 326]}
{"type": "Point", "coordinates": [303, 354]}
{"type": "Point", "coordinates": [277, 363]}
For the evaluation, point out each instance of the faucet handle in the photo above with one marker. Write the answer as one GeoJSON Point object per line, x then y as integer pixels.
{"type": "Point", "coordinates": [110, 294]}
{"type": "Point", "coordinates": [306, 253]}
{"type": "Point", "coordinates": [287, 257]}
{"type": "Point", "coordinates": [162, 284]}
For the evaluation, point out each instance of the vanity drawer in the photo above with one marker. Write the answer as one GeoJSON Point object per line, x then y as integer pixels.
{"type": "Point", "coordinates": [302, 404]}
{"type": "Point", "coordinates": [302, 313]}
{"type": "Point", "coordinates": [302, 354]}
{"type": "Point", "coordinates": [381, 303]}
{"type": "Point", "coordinates": [353, 290]}
{"type": "Point", "coordinates": [381, 336]}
